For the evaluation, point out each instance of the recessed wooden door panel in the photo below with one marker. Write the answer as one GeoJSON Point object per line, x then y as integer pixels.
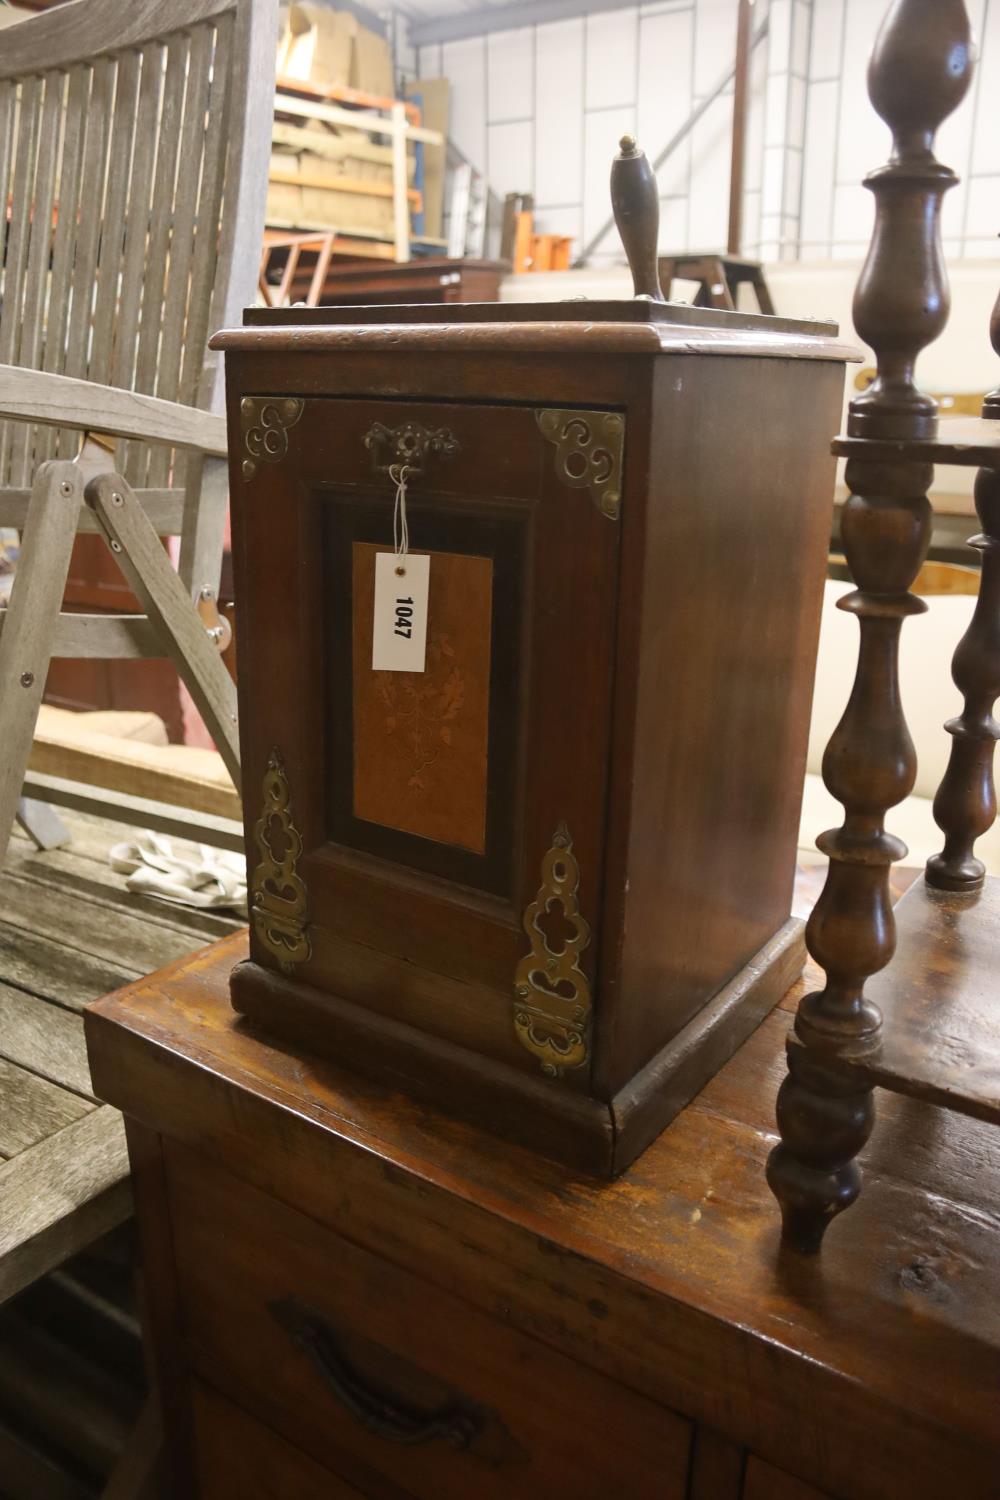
{"type": "Point", "coordinates": [423, 766]}
{"type": "Point", "coordinates": [421, 740]}
{"type": "Point", "coordinates": [514, 740]}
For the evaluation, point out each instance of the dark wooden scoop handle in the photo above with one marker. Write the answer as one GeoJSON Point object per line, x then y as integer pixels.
{"type": "Point", "coordinates": [636, 205]}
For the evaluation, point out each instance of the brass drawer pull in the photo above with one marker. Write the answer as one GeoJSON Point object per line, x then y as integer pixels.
{"type": "Point", "coordinates": [376, 1412]}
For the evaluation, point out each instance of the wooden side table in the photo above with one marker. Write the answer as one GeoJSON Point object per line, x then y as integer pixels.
{"type": "Point", "coordinates": [433, 279]}
{"type": "Point", "coordinates": [351, 1295]}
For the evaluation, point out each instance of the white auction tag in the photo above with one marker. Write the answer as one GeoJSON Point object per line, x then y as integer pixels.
{"type": "Point", "coordinates": [399, 634]}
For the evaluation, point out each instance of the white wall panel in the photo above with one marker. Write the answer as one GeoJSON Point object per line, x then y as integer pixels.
{"type": "Point", "coordinates": [464, 65]}
{"type": "Point", "coordinates": [612, 58]}
{"type": "Point", "coordinates": [544, 106]}
{"type": "Point", "coordinates": [753, 167]}
{"type": "Point", "coordinates": [863, 140]}
{"type": "Point", "coordinates": [510, 157]}
{"type": "Point", "coordinates": [715, 43]}
{"type": "Point", "coordinates": [559, 113]}
{"type": "Point", "coordinates": [711, 153]}
{"type": "Point", "coordinates": [510, 75]}
{"type": "Point", "coordinates": [986, 144]}
{"type": "Point", "coordinates": [827, 39]}
{"type": "Point", "coordinates": [801, 28]}
{"type": "Point", "coordinates": [819, 164]}
{"type": "Point", "coordinates": [604, 127]}
{"type": "Point", "coordinates": [666, 43]}
{"type": "Point", "coordinates": [429, 64]}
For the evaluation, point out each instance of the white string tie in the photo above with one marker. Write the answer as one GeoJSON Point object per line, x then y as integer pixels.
{"type": "Point", "coordinates": [399, 474]}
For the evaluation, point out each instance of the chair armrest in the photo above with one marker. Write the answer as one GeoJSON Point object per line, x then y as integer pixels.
{"type": "Point", "coordinates": [60, 401]}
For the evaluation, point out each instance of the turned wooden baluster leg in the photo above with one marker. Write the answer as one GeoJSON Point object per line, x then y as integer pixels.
{"type": "Point", "coordinates": [869, 766]}
{"type": "Point", "coordinates": [920, 70]}
{"type": "Point", "coordinates": [966, 804]}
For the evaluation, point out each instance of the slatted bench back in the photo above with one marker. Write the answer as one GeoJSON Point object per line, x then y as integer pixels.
{"type": "Point", "coordinates": [128, 170]}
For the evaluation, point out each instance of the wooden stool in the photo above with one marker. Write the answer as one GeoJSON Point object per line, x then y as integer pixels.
{"type": "Point", "coordinates": [718, 277]}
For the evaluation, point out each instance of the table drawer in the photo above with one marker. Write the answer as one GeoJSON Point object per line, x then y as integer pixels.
{"type": "Point", "coordinates": [764, 1482]}
{"type": "Point", "coordinates": [346, 1354]}
{"type": "Point", "coordinates": [240, 1459]}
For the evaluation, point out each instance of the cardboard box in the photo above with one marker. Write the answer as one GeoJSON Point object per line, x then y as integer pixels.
{"type": "Point", "coordinates": [330, 47]}
{"type": "Point", "coordinates": [435, 96]}
{"type": "Point", "coordinates": [372, 64]}
{"type": "Point", "coordinates": [317, 46]}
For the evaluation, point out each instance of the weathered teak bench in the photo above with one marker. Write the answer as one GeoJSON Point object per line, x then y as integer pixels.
{"type": "Point", "coordinates": [69, 932]}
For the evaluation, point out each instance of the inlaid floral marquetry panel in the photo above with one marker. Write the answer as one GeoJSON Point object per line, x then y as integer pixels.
{"type": "Point", "coordinates": [421, 738]}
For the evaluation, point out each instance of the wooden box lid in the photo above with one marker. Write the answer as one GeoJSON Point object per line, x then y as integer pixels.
{"type": "Point", "coordinates": [638, 327]}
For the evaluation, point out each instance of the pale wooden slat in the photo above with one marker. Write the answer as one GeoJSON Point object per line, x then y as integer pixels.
{"type": "Point", "coordinates": [35, 396]}
{"type": "Point", "coordinates": [18, 234]}
{"type": "Point", "coordinates": [42, 966]}
{"type": "Point", "coordinates": [8, 126]}
{"type": "Point", "coordinates": [167, 602]}
{"type": "Point", "coordinates": [65, 873]}
{"type": "Point", "coordinates": [17, 239]}
{"type": "Point", "coordinates": [137, 216]}
{"type": "Point", "coordinates": [8, 103]}
{"type": "Point", "coordinates": [246, 182]}
{"type": "Point", "coordinates": [36, 595]}
{"type": "Point", "coordinates": [196, 782]}
{"type": "Point", "coordinates": [44, 1038]}
{"type": "Point", "coordinates": [137, 224]}
{"type": "Point", "coordinates": [154, 461]}
{"type": "Point", "coordinates": [137, 812]}
{"type": "Point", "coordinates": [103, 637]}
{"type": "Point", "coordinates": [206, 504]}
{"type": "Point", "coordinates": [164, 509]}
{"type": "Point", "coordinates": [29, 344]}
{"type": "Point", "coordinates": [47, 442]}
{"type": "Point", "coordinates": [84, 277]}
{"type": "Point", "coordinates": [69, 204]}
{"type": "Point", "coordinates": [119, 164]}
{"type": "Point", "coordinates": [185, 208]}
{"type": "Point", "coordinates": [89, 28]}
{"type": "Point", "coordinates": [206, 244]}
{"type": "Point", "coordinates": [31, 1108]}
{"type": "Point", "coordinates": [100, 931]}
{"type": "Point", "coordinates": [60, 1196]}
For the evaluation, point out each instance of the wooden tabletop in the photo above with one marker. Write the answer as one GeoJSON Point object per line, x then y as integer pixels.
{"type": "Point", "coordinates": [875, 1364]}
{"type": "Point", "coordinates": [69, 931]}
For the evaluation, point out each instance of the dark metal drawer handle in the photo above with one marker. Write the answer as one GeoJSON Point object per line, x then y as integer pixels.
{"type": "Point", "coordinates": [386, 1418]}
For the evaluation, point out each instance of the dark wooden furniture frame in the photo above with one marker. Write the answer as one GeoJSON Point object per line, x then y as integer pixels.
{"type": "Point", "coordinates": [662, 1332]}
{"type": "Point", "coordinates": [924, 1024]}
{"type": "Point", "coordinates": [405, 959]}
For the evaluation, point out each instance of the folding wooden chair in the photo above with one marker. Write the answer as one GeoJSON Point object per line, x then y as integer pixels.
{"type": "Point", "coordinates": [134, 143]}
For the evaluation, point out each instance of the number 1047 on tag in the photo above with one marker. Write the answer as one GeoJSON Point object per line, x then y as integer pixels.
{"type": "Point", "coordinates": [399, 633]}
